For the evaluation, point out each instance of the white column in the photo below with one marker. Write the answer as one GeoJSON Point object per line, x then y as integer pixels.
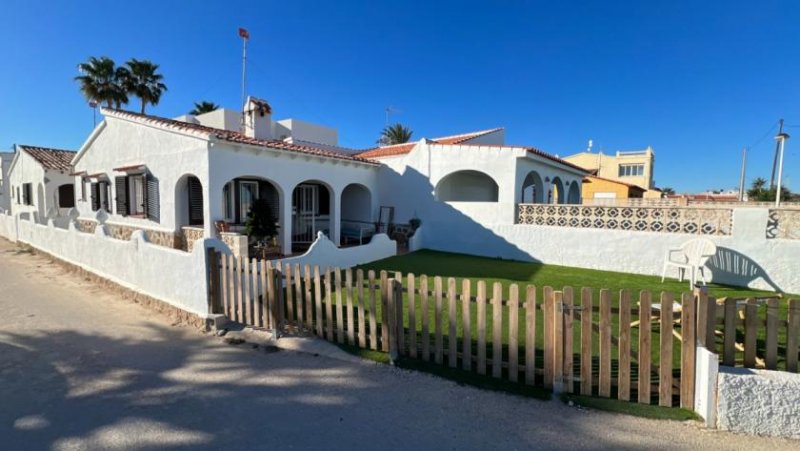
{"type": "Point", "coordinates": [336, 215]}
{"type": "Point", "coordinates": [285, 220]}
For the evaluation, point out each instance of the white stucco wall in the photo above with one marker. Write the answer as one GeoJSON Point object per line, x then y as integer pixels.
{"type": "Point", "coordinates": [746, 258]}
{"type": "Point", "coordinates": [285, 170]}
{"type": "Point", "coordinates": [168, 156]}
{"type": "Point", "coordinates": [306, 131]}
{"type": "Point", "coordinates": [408, 181]}
{"type": "Point", "coordinates": [173, 276]}
{"type": "Point", "coordinates": [705, 385]}
{"type": "Point", "coordinates": [44, 185]}
{"type": "Point", "coordinates": [8, 227]}
{"type": "Point", "coordinates": [759, 402]}
{"type": "Point", "coordinates": [325, 254]}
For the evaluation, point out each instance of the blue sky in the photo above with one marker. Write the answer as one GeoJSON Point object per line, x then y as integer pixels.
{"type": "Point", "coordinates": [695, 80]}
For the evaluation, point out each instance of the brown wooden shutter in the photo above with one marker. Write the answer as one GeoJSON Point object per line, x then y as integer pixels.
{"type": "Point", "coordinates": [195, 201]}
{"type": "Point", "coordinates": [121, 188]}
{"type": "Point", "coordinates": [151, 206]}
{"type": "Point", "coordinates": [95, 196]}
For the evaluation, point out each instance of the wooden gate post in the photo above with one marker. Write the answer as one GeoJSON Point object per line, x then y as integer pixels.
{"type": "Point", "coordinates": [391, 316]}
{"type": "Point", "coordinates": [214, 288]}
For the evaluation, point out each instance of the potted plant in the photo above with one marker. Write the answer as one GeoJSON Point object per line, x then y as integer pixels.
{"type": "Point", "coordinates": [260, 225]}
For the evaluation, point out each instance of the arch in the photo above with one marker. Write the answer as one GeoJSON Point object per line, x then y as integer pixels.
{"type": "Point", "coordinates": [533, 189]}
{"type": "Point", "coordinates": [356, 218]}
{"type": "Point", "coordinates": [559, 193]}
{"type": "Point", "coordinates": [312, 212]}
{"type": "Point", "coordinates": [574, 193]}
{"type": "Point", "coordinates": [239, 193]}
{"type": "Point", "coordinates": [189, 202]}
{"type": "Point", "coordinates": [467, 186]}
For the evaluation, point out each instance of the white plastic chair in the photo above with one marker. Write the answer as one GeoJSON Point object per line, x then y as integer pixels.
{"type": "Point", "coordinates": [692, 256]}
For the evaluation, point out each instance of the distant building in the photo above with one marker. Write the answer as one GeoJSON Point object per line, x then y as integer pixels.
{"type": "Point", "coordinates": [631, 168]}
{"type": "Point", "coordinates": [5, 184]}
{"type": "Point", "coordinates": [595, 187]}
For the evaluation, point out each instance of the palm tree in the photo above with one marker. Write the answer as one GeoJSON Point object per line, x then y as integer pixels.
{"type": "Point", "coordinates": [395, 134]}
{"type": "Point", "coordinates": [757, 191]}
{"type": "Point", "coordinates": [102, 82]}
{"type": "Point", "coordinates": [667, 191]}
{"type": "Point", "coordinates": [143, 82]}
{"type": "Point", "coordinates": [203, 107]}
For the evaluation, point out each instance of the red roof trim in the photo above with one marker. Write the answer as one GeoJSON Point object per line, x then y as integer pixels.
{"type": "Point", "coordinates": [130, 168]}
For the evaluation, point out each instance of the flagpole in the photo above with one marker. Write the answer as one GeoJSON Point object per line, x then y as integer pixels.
{"type": "Point", "coordinates": [244, 36]}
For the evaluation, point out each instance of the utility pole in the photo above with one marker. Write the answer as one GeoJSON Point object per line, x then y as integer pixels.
{"type": "Point", "coordinates": [245, 35]}
{"type": "Point", "coordinates": [781, 137]}
{"type": "Point", "coordinates": [741, 177]}
{"type": "Point", "coordinates": [775, 159]}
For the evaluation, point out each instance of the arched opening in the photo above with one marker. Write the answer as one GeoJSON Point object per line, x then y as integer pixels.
{"type": "Point", "coordinates": [312, 206]}
{"type": "Point", "coordinates": [467, 186]}
{"type": "Point", "coordinates": [66, 195]}
{"type": "Point", "coordinates": [357, 225]}
{"type": "Point", "coordinates": [574, 195]}
{"type": "Point", "coordinates": [239, 196]}
{"type": "Point", "coordinates": [533, 189]}
{"type": "Point", "coordinates": [189, 209]}
{"type": "Point", "coordinates": [559, 194]}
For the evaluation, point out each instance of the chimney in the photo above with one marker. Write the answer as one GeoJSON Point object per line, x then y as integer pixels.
{"type": "Point", "coordinates": [257, 117]}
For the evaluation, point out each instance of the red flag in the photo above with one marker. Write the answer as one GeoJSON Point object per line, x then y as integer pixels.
{"type": "Point", "coordinates": [244, 33]}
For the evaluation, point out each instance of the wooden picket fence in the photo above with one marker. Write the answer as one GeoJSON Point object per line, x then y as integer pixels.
{"type": "Point", "coordinates": [598, 343]}
{"type": "Point", "coordinates": [751, 332]}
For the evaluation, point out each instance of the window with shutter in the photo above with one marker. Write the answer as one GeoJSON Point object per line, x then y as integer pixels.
{"type": "Point", "coordinates": [121, 188]}
{"type": "Point", "coordinates": [152, 207]}
{"type": "Point", "coordinates": [95, 196]}
{"type": "Point", "coordinates": [105, 195]}
{"type": "Point", "coordinates": [195, 189]}
{"type": "Point", "coordinates": [26, 194]}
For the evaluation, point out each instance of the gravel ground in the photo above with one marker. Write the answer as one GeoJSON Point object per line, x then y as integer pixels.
{"type": "Point", "coordinates": [81, 368]}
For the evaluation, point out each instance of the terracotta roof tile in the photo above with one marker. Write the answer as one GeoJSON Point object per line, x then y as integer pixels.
{"type": "Point", "coordinates": [400, 149]}
{"type": "Point", "coordinates": [53, 159]}
{"type": "Point", "coordinates": [458, 139]}
{"type": "Point", "coordinates": [231, 136]}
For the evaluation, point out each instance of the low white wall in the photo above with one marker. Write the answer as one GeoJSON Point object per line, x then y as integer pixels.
{"type": "Point", "coordinates": [759, 402]}
{"type": "Point", "coordinates": [705, 385]}
{"type": "Point", "coordinates": [745, 258]}
{"type": "Point", "coordinates": [325, 254]}
{"type": "Point", "coordinates": [8, 228]}
{"type": "Point", "coordinates": [172, 276]}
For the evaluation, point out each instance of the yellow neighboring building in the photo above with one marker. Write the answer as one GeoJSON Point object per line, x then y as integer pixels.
{"type": "Point", "coordinates": [632, 168]}
{"type": "Point", "coordinates": [594, 187]}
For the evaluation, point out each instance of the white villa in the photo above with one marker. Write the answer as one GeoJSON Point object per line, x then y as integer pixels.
{"type": "Point", "coordinates": [39, 183]}
{"type": "Point", "coordinates": [196, 176]}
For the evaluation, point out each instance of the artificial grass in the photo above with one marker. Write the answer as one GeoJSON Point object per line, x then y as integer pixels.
{"type": "Point", "coordinates": [631, 408]}
{"type": "Point", "coordinates": [492, 270]}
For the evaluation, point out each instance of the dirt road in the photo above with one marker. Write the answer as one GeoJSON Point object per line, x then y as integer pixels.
{"type": "Point", "coordinates": [81, 368]}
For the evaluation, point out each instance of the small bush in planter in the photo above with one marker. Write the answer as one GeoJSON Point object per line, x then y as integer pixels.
{"type": "Point", "coordinates": [260, 224]}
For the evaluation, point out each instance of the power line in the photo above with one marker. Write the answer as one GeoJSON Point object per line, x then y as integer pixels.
{"type": "Point", "coordinates": [764, 136]}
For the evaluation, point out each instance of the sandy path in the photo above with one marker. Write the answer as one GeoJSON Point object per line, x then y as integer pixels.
{"type": "Point", "coordinates": [80, 369]}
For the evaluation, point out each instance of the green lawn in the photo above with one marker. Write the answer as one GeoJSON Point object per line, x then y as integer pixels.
{"type": "Point", "coordinates": [507, 272]}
